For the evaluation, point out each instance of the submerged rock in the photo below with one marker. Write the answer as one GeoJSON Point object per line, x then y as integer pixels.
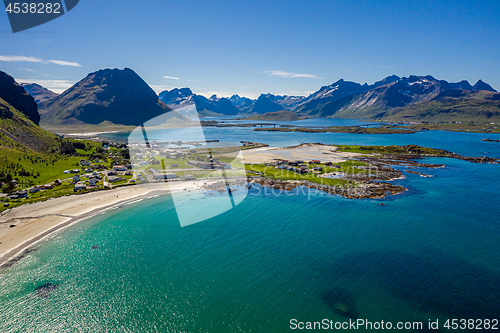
{"type": "Point", "coordinates": [341, 302]}
{"type": "Point", "coordinates": [15, 260]}
{"type": "Point", "coordinates": [43, 291]}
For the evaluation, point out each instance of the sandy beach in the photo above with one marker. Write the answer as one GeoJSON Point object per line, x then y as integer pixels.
{"type": "Point", "coordinates": [35, 221]}
{"type": "Point", "coordinates": [306, 152]}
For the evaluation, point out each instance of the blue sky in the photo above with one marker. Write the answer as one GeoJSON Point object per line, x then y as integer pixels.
{"type": "Point", "coordinates": [252, 47]}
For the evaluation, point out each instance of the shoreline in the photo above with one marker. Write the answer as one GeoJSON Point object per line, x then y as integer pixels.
{"type": "Point", "coordinates": [36, 221]}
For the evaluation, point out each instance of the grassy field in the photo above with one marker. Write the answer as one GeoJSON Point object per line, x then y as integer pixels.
{"type": "Point", "coordinates": [348, 167]}
{"type": "Point", "coordinates": [43, 168]}
{"type": "Point", "coordinates": [408, 149]}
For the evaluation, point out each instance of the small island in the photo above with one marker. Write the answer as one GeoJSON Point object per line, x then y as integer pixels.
{"type": "Point", "coordinates": [354, 172]}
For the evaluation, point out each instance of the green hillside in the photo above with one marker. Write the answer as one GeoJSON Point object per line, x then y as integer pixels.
{"type": "Point", "coordinates": [32, 155]}
{"type": "Point", "coordinates": [453, 105]}
{"type": "Point", "coordinates": [20, 133]}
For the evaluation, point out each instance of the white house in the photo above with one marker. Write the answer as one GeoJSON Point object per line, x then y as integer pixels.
{"type": "Point", "coordinates": [79, 186]}
{"type": "Point", "coordinates": [120, 168]}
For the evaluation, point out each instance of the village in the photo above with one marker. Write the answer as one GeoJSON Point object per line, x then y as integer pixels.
{"type": "Point", "coordinates": [125, 165]}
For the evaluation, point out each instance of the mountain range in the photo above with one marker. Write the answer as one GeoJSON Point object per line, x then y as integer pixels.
{"type": "Point", "coordinates": [386, 98]}
{"type": "Point", "coordinates": [177, 98]}
{"type": "Point", "coordinates": [113, 96]}
{"type": "Point", "coordinates": [392, 97]}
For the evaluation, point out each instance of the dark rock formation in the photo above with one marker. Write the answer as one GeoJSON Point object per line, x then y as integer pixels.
{"type": "Point", "coordinates": [340, 301]}
{"type": "Point", "coordinates": [15, 95]}
{"type": "Point", "coordinates": [264, 105]}
{"type": "Point", "coordinates": [109, 95]}
{"type": "Point", "coordinates": [44, 291]}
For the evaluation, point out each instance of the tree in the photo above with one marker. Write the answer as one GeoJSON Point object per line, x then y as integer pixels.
{"type": "Point", "coordinates": [79, 145]}
{"type": "Point", "coordinates": [67, 148]}
{"type": "Point", "coordinates": [5, 188]}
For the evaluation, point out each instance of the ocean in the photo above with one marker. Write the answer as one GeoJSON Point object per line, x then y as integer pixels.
{"type": "Point", "coordinates": [432, 253]}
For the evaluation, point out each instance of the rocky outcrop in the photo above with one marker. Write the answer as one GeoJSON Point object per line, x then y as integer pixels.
{"type": "Point", "coordinates": [15, 95]}
{"type": "Point", "coordinates": [368, 190]}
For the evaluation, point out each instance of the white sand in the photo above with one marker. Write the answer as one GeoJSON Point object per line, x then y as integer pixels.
{"type": "Point", "coordinates": [322, 153]}
{"type": "Point", "coordinates": [35, 221]}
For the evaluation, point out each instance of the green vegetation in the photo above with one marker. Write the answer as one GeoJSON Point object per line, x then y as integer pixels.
{"type": "Point", "coordinates": [347, 167]}
{"type": "Point", "coordinates": [393, 149]}
{"type": "Point", "coordinates": [20, 133]}
{"type": "Point", "coordinates": [29, 155]}
{"type": "Point", "coordinates": [31, 168]}
{"type": "Point", "coordinates": [453, 105]}
{"type": "Point", "coordinates": [471, 127]}
{"type": "Point", "coordinates": [66, 188]}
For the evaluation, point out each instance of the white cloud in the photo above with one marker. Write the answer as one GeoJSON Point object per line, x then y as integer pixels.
{"type": "Point", "coordinates": [19, 58]}
{"type": "Point", "coordinates": [30, 70]}
{"type": "Point", "coordinates": [171, 77]}
{"type": "Point", "coordinates": [38, 60]}
{"type": "Point", "coordinates": [64, 63]}
{"type": "Point", "coordinates": [289, 74]}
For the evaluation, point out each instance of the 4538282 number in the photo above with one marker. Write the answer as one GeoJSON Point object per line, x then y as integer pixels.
{"type": "Point", "coordinates": [472, 324]}
{"type": "Point", "coordinates": [34, 8]}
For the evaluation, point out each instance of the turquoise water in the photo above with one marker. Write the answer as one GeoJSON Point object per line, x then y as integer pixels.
{"type": "Point", "coordinates": [431, 253]}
